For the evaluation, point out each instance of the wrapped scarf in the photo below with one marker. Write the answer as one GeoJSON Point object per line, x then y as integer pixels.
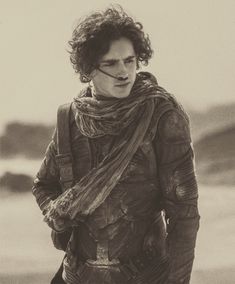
{"type": "Point", "coordinates": [131, 121]}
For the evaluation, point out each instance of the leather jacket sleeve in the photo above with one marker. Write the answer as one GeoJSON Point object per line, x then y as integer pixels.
{"type": "Point", "coordinates": [46, 186]}
{"type": "Point", "coordinates": [179, 190]}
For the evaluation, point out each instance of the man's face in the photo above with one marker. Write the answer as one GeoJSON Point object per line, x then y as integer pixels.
{"type": "Point", "coordinates": [119, 61]}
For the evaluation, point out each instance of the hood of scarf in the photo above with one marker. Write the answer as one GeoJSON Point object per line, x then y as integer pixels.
{"type": "Point", "coordinates": [99, 116]}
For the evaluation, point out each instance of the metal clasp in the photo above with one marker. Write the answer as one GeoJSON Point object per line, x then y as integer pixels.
{"type": "Point", "coordinates": [102, 258]}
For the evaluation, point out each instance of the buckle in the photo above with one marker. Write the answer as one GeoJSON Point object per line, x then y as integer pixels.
{"type": "Point", "coordinates": [102, 258]}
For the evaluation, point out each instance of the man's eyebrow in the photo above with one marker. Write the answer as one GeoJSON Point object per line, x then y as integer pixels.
{"type": "Point", "coordinates": [130, 57]}
{"type": "Point", "coordinates": [109, 61]}
{"type": "Point", "coordinates": [116, 60]}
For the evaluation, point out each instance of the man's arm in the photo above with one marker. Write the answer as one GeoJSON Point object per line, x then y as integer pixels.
{"type": "Point", "coordinates": [179, 189]}
{"type": "Point", "coordinates": [46, 186]}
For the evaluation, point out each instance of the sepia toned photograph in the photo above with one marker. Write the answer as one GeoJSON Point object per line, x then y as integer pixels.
{"type": "Point", "coordinates": [117, 130]}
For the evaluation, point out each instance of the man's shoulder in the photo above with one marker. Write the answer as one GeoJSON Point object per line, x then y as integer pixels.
{"type": "Point", "coordinates": [173, 124]}
{"type": "Point", "coordinates": [65, 113]}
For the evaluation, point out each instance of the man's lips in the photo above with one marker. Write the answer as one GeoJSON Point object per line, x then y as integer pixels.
{"type": "Point", "coordinates": [122, 85]}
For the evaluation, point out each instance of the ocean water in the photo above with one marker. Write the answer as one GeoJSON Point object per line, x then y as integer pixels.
{"type": "Point", "coordinates": [19, 165]}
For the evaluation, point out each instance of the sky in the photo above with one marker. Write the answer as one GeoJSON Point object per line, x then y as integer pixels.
{"type": "Point", "coordinates": [193, 42]}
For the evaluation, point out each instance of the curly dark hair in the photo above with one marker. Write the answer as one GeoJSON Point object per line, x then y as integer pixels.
{"type": "Point", "coordinates": [92, 37]}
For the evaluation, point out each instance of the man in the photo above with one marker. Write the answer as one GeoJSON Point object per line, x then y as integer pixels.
{"type": "Point", "coordinates": [130, 214]}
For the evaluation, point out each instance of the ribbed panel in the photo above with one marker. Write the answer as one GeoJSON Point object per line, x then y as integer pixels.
{"type": "Point", "coordinates": [184, 172]}
{"type": "Point", "coordinates": [68, 275]}
{"type": "Point", "coordinates": [154, 274]}
{"type": "Point", "coordinates": [187, 190]}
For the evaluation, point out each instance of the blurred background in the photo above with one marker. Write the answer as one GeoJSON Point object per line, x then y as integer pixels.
{"type": "Point", "coordinates": [194, 43]}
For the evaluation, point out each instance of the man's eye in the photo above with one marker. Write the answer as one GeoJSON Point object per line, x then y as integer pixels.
{"type": "Point", "coordinates": [130, 61]}
{"type": "Point", "coordinates": [108, 64]}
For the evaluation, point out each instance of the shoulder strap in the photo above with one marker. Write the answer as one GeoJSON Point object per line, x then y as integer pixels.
{"type": "Point", "coordinates": [64, 156]}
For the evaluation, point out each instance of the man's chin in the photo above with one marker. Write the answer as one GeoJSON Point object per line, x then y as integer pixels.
{"type": "Point", "coordinates": [120, 95]}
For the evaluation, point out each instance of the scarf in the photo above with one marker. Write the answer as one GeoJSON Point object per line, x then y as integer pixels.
{"type": "Point", "coordinates": [131, 121]}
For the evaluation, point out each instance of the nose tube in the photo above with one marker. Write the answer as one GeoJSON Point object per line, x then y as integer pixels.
{"type": "Point", "coordinates": [120, 77]}
{"type": "Point", "coordinates": [123, 77]}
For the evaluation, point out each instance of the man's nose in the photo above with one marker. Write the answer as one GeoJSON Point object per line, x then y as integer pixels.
{"type": "Point", "coordinates": [122, 73]}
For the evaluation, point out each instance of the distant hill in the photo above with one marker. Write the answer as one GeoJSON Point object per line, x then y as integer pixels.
{"type": "Point", "coordinates": [15, 182]}
{"type": "Point", "coordinates": [24, 139]}
{"type": "Point", "coordinates": [215, 157]}
{"type": "Point", "coordinates": [211, 120]}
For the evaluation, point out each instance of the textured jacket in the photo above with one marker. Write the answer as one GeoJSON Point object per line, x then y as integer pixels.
{"type": "Point", "coordinates": [162, 169]}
